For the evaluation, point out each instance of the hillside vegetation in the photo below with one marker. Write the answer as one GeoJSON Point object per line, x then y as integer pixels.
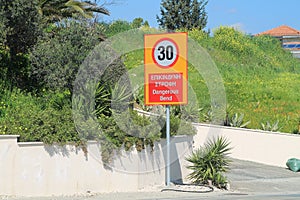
{"type": "Point", "coordinates": [262, 83]}
{"type": "Point", "coordinates": [261, 79]}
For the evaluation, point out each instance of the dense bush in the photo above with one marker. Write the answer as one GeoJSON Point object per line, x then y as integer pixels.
{"type": "Point", "coordinates": [228, 39]}
{"type": "Point", "coordinates": [46, 118]}
{"type": "Point", "coordinates": [21, 22]}
{"type": "Point", "coordinates": [57, 57]}
{"type": "Point", "coordinates": [19, 28]}
{"type": "Point", "coordinates": [119, 26]}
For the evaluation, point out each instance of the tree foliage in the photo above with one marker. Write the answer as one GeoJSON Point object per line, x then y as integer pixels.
{"type": "Point", "coordinates": [139, 22]}
{"type": "Point", "coordinates": [3, 29]}
{"type": "Point", "coordinates": [21, 21]}
{"type": "Point", "coordinates": [56, 58]}
{"type": "Point", "coordinates": [119, 26]}
{"type": "Point", "coordinates": [186, 14]}
{"type": "Point", "coordinates": [20, 29]}
{"type": "Point", "coordinates": [56, 10]}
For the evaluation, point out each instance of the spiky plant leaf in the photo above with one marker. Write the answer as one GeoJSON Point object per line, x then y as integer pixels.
{"type": "Point", "coordinates": [210, 162]}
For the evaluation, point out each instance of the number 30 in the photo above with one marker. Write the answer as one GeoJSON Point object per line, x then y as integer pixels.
{"type": "Point", "coordinates": [165, 53]}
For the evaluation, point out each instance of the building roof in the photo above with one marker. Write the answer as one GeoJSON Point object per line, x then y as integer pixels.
{"type": "Point", "coordinates": [281, 31]}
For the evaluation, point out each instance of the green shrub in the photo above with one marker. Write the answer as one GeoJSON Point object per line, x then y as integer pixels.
{"type": "Point", "coordinates": [46, 118]}
{"type": "Point", "coordinates": [178, 126]}
{"type": "Point", "coordinates": [129, 130]}
{"type": "Point", "coordinates": [208, 163]}
{"type": "Point", "coordinates": [116, 27]}
{"type": "Point", "coordinates": [57, 56]}
{"type": "Point", "coordinates": [228, 39]}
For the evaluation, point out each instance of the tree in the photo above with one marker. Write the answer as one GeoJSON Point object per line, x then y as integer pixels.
{"type": "Point", "coordinates": [56, 10]}
{"type": "Point", "coordinates": [3, 29]}
{"type": "Point", "coordinates": [21, 23]}
{"type": "Point", "coordinates": [187, 14]}
{"type": "Point", "coordinates": [119, 26]}
{"type": "Point", "coordinates": [146, 24]}
{"type": "Point", "coordinates": [55, 59]}
{"type": "Point", "coordinates": [138, 22]}
{"type": "Point", "coordinates": [116, 27]}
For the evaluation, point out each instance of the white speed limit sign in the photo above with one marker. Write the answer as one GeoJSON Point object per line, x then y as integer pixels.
{"type": "Point", "coordinates": [165, 53]}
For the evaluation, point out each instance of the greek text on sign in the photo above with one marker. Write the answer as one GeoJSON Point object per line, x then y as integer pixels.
{"type": "Point", "coordinates": [165, 68]}
{"type": "Point", "coordinates": [165, 87]}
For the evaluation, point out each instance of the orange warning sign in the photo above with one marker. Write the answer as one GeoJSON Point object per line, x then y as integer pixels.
{"type": "Point", "coordinates": [165, 65]}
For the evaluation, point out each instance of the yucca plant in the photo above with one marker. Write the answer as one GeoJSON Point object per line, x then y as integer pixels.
{"type": "Point", "coordinates": [238, 121]}
{"type": "Point", "coordinates": [210, 162]}
{"type": "Point", "coordinates": [271, 127]}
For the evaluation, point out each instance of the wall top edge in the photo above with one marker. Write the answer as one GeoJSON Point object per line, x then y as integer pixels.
{"type": "Point", "coordinates": [24, 144]}
{"type": "Point", "coordinates": [9, 136]}
{"type": "Point", "coordinates": [244, 129]}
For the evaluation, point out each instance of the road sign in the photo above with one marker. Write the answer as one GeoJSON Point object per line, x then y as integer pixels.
{"type": "Point", "coordinates": [165, 68]}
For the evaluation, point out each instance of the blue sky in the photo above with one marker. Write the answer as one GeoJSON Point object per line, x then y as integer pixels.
{"type": "Point", "coordinates": [250, 16]}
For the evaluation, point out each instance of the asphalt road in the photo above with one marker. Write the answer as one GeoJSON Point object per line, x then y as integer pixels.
{"type": "Point", "coordinates": [248, 180]}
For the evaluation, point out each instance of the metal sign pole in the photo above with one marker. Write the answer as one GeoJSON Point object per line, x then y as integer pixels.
{"type": "Point", "coordinates": [168, 143]}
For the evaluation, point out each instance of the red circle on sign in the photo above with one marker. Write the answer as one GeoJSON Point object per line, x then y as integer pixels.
{"type": "Point", "coordinates": [167, 40]}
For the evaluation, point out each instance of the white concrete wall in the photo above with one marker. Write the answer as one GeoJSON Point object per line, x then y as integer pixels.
{"type": "Point", "coordinates": [254, 145]}
{"type": "Point", "coordinates": [8, 167]}
{"type": "Point", "coordinates": [35, 169]}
